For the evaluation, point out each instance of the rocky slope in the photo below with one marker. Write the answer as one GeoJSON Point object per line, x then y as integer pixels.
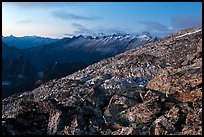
{"type": "Point", "coordinates": [150, 90]}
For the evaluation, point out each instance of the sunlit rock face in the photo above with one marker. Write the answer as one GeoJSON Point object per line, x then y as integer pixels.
{"type": "Point", "coordinates": [151, 90]}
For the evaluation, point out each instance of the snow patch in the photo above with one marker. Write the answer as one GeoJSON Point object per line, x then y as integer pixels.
{"type": "Point", "coordinates": [143, 37]}
{"type": "Point", "coordinates": [189, 33]}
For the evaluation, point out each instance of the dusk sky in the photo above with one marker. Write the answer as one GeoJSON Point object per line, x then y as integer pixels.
{"type": "Point", "coordinates": [62, 19]}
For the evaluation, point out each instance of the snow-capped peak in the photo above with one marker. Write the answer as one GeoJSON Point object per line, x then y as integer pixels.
{"type": "Point", "coordinates": [144, 37]}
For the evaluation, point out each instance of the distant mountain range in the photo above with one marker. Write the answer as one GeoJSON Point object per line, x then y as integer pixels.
{"type": "Point", "coordinates": [26, 41]}
{"type": "Point", "coordinates": [24, 69]}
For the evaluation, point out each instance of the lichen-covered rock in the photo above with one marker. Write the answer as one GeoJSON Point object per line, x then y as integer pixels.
{"type": "Point", "coordinates": [161, 82]}
{"type": "Point", "coordinates": [191, 130]}
{"type": "Point", "coordinates": [173, 115]}
{"type": "Point", "coordinates": [143, 113]}
{"type": "Point", "coordinates": [194, 117]}
{"type": "Point", "coordinates": [162, 126]}
{"type": "Point", "coordinates": [123, 131]}
{"type": "Point", "coordinates": [53, 125]}
{"type": "Point", "coordinates": [141, 129]}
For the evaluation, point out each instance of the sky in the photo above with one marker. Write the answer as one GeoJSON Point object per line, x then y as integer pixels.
{"type": "Point", "coordinates": [66, 19]}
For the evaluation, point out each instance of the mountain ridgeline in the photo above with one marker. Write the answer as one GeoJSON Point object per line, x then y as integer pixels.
{"type": "Point", "coordinates": [26, 41]}
{"type": "Point", "coordinates": [155, 89]}
{"type": "Point", "coordinates": [26, 68]}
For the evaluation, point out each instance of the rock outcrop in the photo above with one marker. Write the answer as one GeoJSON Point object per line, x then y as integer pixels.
{"type": "Point", "coordinates": [151, 90]}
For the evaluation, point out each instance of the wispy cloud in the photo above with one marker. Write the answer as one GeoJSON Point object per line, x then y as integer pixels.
{"type": "Point", "coordinates": [176, 24]}
{"type": "Point", "coordinates": [182, 22]}
{"type": "Point", "coordinates": [68, 34]}
{"type": "Point", "coordinates": [69, 16]}
{"type": "Point", "coordinates": [28, 21]}
{"type": "Point", "coordinates": [24, 21]}
{"type": "Point", "coordinates": [80, 27]}
{"type": "Point", "coordinates": [154, 26]}
{"type": "Point", "coordinates": [82, 30]}
{"type": "Point", "coordinates": [30, 5]}
{"type": "Point", "coordinates": [115, 29]}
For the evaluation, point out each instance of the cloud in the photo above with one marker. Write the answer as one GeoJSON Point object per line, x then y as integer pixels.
{"type": "Point", "coordinates": [28, 21]}
{"type": "Point", "coordinates": [82, 29]}
{"type": "Point", "coordinates": [29, 5]}
{"type": "Point", "coordinates": [162, 34]}
{"type": "Point", "coordinates": [112, 30]}
{"type": "Point", "coordinates": [154, 26]}
{"type": "Point", "coordinates": [69, 16]}
{"type": "Point", "coordinates": [70, 35]}
{"type": "Point", "coordinates": [24, 21]}
{"type": "Point", "coordinates": [176, 24]}
{"type": "Point", "coordinates": [182, 22]}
